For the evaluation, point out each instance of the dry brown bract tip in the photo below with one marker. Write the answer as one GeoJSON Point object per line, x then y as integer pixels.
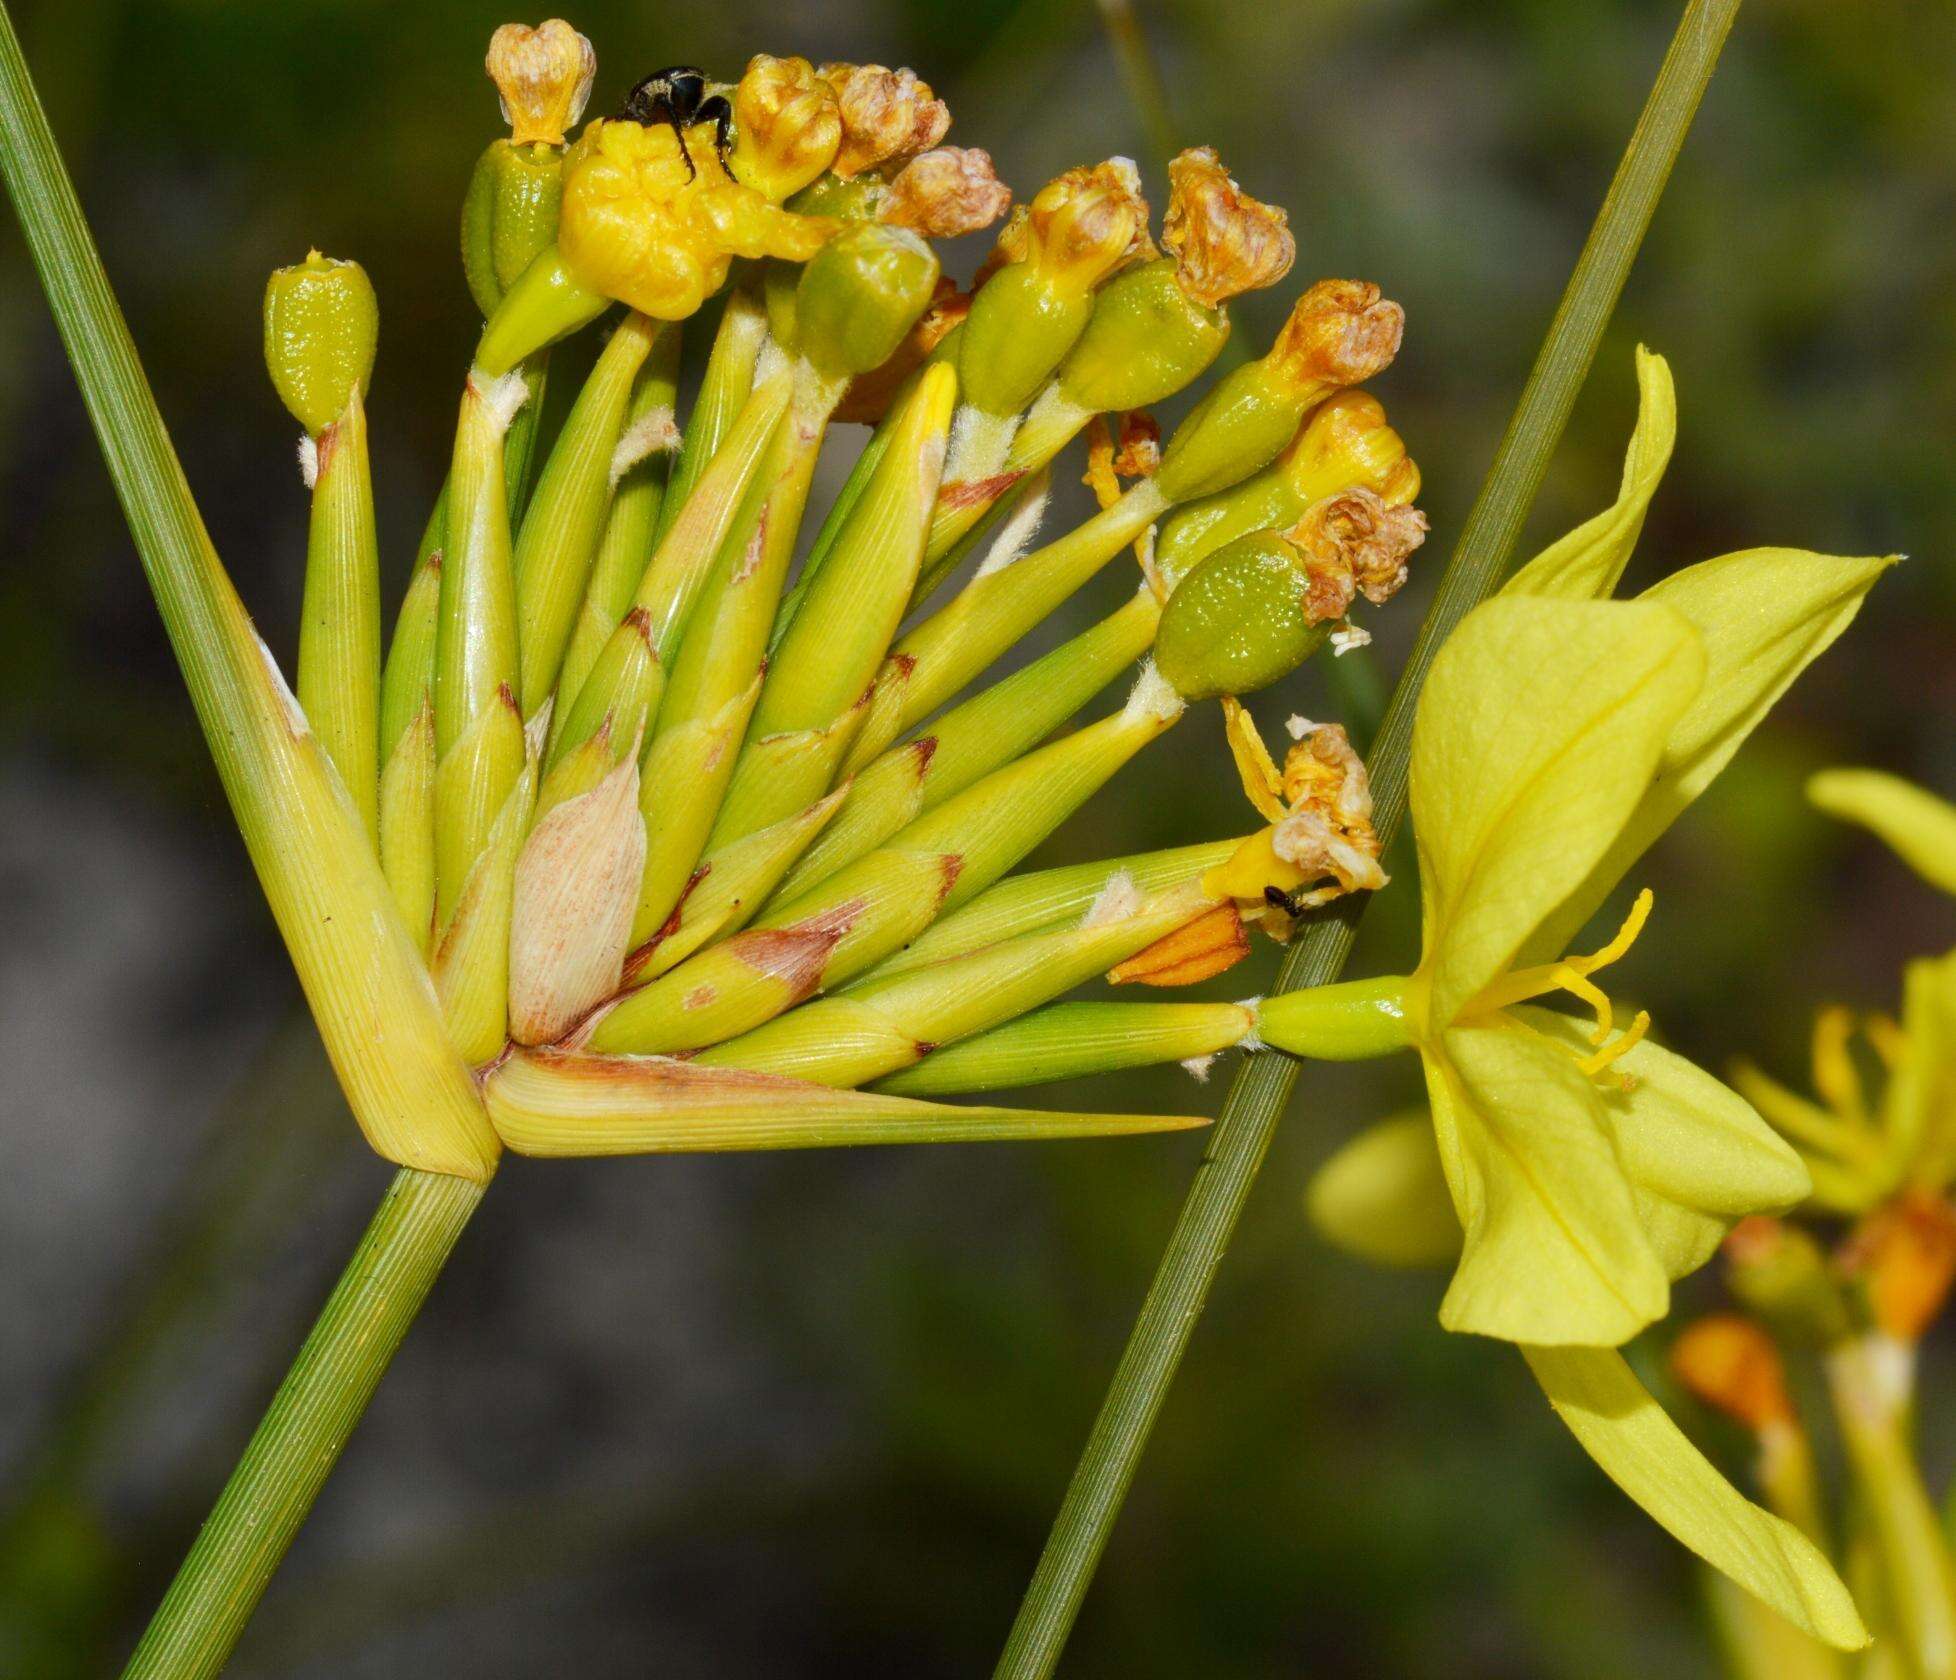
{"type": "Point", "coordinates": [1355, 543]}
{"type": "Point", "coordinates": [543, 78]}
{"type": "Point", "coordinates": [947, 192]}
{"type": "Point", "coordinates": [888, 116]}
{"type": "Point", "coordinates": [1340, 332]}
{"type": "Point", "coordinates": [1224, 241]}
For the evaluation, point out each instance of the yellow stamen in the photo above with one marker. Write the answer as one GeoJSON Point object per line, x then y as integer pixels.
{"type": "Point", "coordinates": [1834, 1074]}
{"type": "Point", "coordinates": [1628, 1039]}
{"type": "Point", "coordinates": [1571, 975]}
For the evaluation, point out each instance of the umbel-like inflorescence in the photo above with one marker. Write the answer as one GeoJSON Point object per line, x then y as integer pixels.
{"type": "Point", "coordinates": [692, 794]}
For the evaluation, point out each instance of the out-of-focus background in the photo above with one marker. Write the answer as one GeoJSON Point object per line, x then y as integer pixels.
{"type": "Point", "coordinates": [809, 1414]}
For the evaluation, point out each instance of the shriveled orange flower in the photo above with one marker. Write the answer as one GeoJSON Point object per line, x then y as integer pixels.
{"type": "Point", "coordinates": [1340, 332]}
{"type": "Point", "coordinates": [1904, 1257]}
{"type": "Point", "coordinates": [945, 193]}
{"type": "Point", "coordinates": [1734, 1366]}
{"type": "Point", "coordinates": [888, 116]}
{"type": "Point", "coordinates": [1084, 224]}
{"type": "Point", "coordinates": [1355, 543]}
{"type": "Point", "coordinates": [543, 78]}
{"type": "Point", "coordinates": [1224, 241]}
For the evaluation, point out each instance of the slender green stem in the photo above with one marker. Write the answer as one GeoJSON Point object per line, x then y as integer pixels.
{"type": "Point", "coordinates": [1141, 78]}
{"type": "Point", "coordinates": [1261, 1089]}
{"type": "Point", "coordinates": [299, 1439]}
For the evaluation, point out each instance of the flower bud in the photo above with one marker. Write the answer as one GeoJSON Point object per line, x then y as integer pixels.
{"type": "Point", "coordinates": [1345, 443]}
{"type": "Point", "coordinates": [860, 294]}
{"type": "Point", "coordinates": [1383, 1197]}
{"type": "Point", "coordinates": [1779, 1272]}
{"type": "Point", "coordinates": [1198, 950]}
{"type": "Point", "coordinates": [1733, 1366]}
{"type": "Point", "coordinates": [1146, 339]}
{"type": "Point", "coordinates": [543, 79]}
{"type": "Point", "coordinates": [869, 395]}
{"type": "Point", "coordinates": [1031, 310]}
{"type": "Point", "coordinates": [888, 116]}
{"type": "Point", "coordinates": [945, 194]}
{"type": "Point", "coordinates": [509, 216]}
{"type": "Point", "coordinates": [321, 323]}
{"type": "Point", "coordinates": [1902, 1257]}
{"type": "Point", "coordinates": [786, 126]}
{"type": "Point", "coordinates": [1224, 241]}
{"type": "Point", "coordinates": [1339, 331]}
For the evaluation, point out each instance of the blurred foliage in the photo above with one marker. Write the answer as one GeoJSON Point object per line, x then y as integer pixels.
{"type": "Point", "coordinates": [1336, 1487]}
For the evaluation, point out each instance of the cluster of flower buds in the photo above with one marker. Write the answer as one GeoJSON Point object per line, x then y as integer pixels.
{"type": "Point", "coordinates": [660, 769]}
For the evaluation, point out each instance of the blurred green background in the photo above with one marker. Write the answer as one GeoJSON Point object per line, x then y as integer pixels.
{"type": "Point", "coordinates": [803, 1415]}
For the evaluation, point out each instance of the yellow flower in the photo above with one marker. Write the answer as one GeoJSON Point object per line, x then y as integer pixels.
{"type": "Point", "coordinates": [639, 226]}
{"type": "Point", "coordinates": [786, 126]}
{"type": "Point", "coordinates": [1558, 735]}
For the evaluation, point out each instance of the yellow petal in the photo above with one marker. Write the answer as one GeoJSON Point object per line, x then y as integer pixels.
{"type": "Point", "coordinates": [1920, 827]}
{"type": "Point", "coordinates": [1382, 1196]}
{"type": "Point", "coordinates": [1537, 734]}
{"type": "Point", "coordinates": [1918, 1105]}
{"type": "Point", "coordinates": [1698, 1158]}
{"type": "Point", "coordinates": [1586, 564]}
{"type": "Point", "coordinates": [1263, 785]}
{"type": "Point", "coordinates": [1620, 1426]}
{"type": "Point", "coordinates": [1554, 1251]}
{"type": "Point", "coordinates": [1764, 615]}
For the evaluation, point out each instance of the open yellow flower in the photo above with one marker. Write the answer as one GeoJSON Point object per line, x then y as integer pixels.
{"type": "Point", "coordinates": [1559, 734]}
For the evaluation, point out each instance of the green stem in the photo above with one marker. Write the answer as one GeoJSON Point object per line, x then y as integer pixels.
{"type": "Point", "coordinates": [300, 1437]}
{"type": "Point", "coordinates": [1262, 1088]}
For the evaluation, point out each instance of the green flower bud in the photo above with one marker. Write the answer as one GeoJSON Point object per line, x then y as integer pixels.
{"type": "Point", "coordinates": [860, 294]}
{"type": "Point", "coordinates": [1146, 340]}
{"type": "Point", "coordinates": [508, 216]}
{"type": "Point", "coordinates": [1238, 428]}
{"type": "Point", "coordinates": [1239, 621]}
{"type": "Point", "coordinates": [321, 322]}
{"type": "Point", "coordinates": [1781, 1273]}
{"type": "Point", "coordinates": [855, 200]}
{"type": "Point", "coordinates": [1019, 327]}
{"type": "Point", "coordinates": [547, 302]}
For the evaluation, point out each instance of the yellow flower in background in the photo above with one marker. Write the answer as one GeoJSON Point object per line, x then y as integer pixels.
{"type": "Point", "coordinates": [1865, 1147]}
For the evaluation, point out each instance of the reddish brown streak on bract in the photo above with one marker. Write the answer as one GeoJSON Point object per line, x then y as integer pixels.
{"type": "Point", "coordinates": [922, 750]}
{"type": "Point", "coordinates": [798, 956]}
{"type": "Point", "coordinates": [949, 867]}
{"type": "Point", "coordinates": [324, 447]}
{"type": "Point", "coordinates": [977, 492]}
{"type": "Point", "coordinates": [635, 963]}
